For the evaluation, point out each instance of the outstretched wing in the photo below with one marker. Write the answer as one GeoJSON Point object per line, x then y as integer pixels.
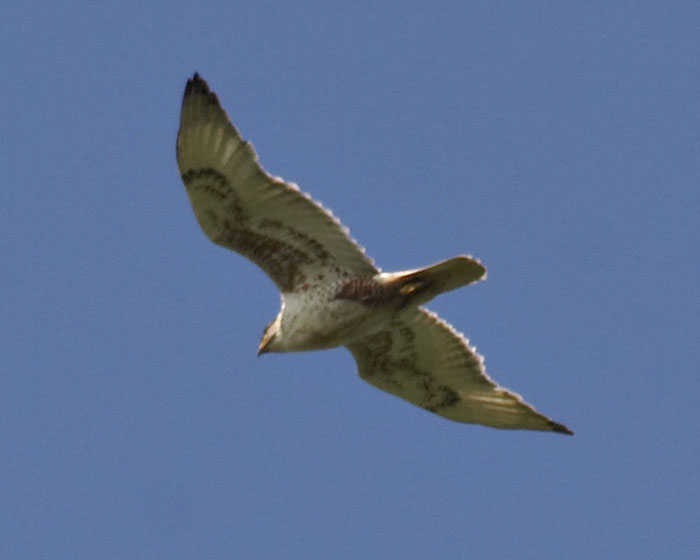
{"type": "Point", "coordinates": [238, 205]}
{"type": "Point", "coordinates": [422, 359]}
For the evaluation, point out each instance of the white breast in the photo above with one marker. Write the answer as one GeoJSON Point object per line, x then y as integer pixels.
{"type": "Point", "coordinates": [312, 319]}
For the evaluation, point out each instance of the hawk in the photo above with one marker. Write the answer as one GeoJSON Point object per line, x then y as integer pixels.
{"type": "Point", "coordinates": [332, 293]}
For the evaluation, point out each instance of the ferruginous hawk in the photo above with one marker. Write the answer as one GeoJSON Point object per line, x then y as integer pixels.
{"type": "Point", "coordinates": [332, 293]}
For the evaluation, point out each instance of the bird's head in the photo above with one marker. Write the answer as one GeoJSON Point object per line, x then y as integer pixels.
{"type": "Point", "coordinates": [271, 335]}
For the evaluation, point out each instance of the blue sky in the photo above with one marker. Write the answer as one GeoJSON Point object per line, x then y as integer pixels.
{"type": "Point", "coordinates": [557, 142]}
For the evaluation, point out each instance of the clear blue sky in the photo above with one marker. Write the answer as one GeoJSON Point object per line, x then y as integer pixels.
{"type": "Point", "coordinates": [558, 142]}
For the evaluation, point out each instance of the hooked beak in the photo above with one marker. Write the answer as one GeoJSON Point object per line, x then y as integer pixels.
{"type": "Point", "coordinates": [268, 336]}
{"type": "Point", "coordinates": [262, 347]}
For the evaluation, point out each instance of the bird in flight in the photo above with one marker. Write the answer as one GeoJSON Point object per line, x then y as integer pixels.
{"type": "Point", "coordinates": [332, 292]}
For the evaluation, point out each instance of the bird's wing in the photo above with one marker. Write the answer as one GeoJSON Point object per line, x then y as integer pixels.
{"type": "Point", "coordinates": [238, 205]}
{"type": "Point", "coordinates": [422, 359]}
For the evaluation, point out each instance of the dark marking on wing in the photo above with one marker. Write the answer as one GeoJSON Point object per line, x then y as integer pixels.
{"type": "Point", "coordinates": [279, 259]}
{"type": "Point", "coordinates": [276, 247]}
{"type": "Point", "coordinates": [390, 362]}
{"type": "Point", "coordinates": [442, 397]}
{"type": "Point", "coordinates": [316, 249]}
{"type": "Point", "coordinates": [214, 184]}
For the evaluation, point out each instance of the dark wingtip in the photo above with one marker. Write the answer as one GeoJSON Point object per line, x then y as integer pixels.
{"type": "Point", "coordinates": [197, 85]}
{"type": "Point", "coordinates": [557, 427]}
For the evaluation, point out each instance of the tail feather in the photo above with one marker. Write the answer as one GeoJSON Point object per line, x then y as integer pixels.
{"type": "Point", "coordinates": [423, 284]}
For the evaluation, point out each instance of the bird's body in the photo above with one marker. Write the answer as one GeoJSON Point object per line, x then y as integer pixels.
{"type": "Point", "coordinates": [332, 293]}
{"type": "Point", "coordinates": [329, 314]}
{"type": "Point", "coordinates": [313, 319]}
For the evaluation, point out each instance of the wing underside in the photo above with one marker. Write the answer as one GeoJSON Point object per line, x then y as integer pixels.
{"type": "Point", "coordinates": [423, 360]}
{"type": "Point", "coordinates": [240, 206]}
